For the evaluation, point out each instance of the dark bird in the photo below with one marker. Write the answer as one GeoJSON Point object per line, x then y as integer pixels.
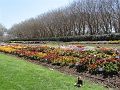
{"type": "Point", "coordinates": [79, 82]}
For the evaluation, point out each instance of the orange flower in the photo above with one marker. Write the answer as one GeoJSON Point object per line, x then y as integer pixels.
{"type": "Point", "coordinates": [93, 65]}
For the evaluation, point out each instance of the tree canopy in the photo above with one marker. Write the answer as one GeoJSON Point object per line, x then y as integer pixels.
{"type": "Point", "coordinates": [82, 17]}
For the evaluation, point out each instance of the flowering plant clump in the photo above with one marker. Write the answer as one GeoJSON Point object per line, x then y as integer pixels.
{"type": "Point", "coordinates": [6, 49]}
{"type": "Point", "coordinates": [114, 42]}
{"type": "Point", "coordinates": [93, 68]}
{"type": "Point", "coordinates": [20, 53]}
{"type": "Point", "coordinates": [49, 58]}
{"type": "Point", "coordinates": [100, 60]}
{"type": "Point", "coordinates": [108, 51]}
{"type": "Point", "coordinates": [67, 53]}
{"type": "Point", "coordinates": [64, 60]}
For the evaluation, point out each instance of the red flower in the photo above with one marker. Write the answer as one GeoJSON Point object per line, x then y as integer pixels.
{"type": "Point", "coordinates": [80, 46]}
{"type": "Point", "coordinates": [90, 71]}
{"type": "Point", "coordinates": [93, 65]}
{"type": "Point", "coordinates": [118, 60]}
{"type": "Point", "coordinates": [101, 61]}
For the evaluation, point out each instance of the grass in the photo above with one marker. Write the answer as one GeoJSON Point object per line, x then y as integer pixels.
{"type": "Point", "coordinates": [102, 45]}
{"type": "Point", "coordinates": [94, 45]}
{"type": "Point", "coordinates": [17, 74]}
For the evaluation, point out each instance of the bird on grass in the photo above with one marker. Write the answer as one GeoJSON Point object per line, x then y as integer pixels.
{"type": "Point", "coordinates": [79, 82]}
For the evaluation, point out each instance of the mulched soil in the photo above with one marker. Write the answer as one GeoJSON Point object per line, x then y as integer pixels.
{"type": "Point", "coordinates": [100, 79]}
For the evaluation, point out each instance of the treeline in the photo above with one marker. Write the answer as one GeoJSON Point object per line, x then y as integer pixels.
{"type": "Point", "coordinates": [82, 17]}
{"type": "Point", "coordinates": [2, 32]}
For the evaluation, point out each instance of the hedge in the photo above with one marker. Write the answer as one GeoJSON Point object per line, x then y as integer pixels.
{"type": "Point", "coordinates": [105, 37]}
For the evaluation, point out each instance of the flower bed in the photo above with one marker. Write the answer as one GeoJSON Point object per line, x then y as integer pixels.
{"type": "Point", "coordinates": [98, 60]}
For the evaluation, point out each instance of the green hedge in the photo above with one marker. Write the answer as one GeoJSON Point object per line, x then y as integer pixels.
{"type": "Point", "coordinates": [104, 37]}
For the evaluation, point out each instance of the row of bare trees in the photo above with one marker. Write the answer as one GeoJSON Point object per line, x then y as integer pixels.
{"type": "Point", "coordinates": [2, 32]}
{"type": "Point", "coordinates": [82, 17]}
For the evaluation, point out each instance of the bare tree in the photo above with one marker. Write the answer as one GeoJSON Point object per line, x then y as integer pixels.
{"type": "Point", "coordinates": [2, 32]}
{"type": "Point", "coordinates": [82, 17]}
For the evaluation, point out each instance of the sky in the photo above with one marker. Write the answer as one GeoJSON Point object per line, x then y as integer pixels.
{"type": "Point", "coordinates": [14, 11]}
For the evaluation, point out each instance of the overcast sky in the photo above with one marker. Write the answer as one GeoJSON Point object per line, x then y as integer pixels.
{"type": "Point", "coordinates": [15, 11]}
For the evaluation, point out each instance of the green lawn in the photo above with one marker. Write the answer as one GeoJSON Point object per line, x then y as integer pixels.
{"type": "Point", "coordinates": [16, 74]}
{"type": "Point", "coordinates": [94, 45]}
{"type": "Point", "coordinates": [103, 45]}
